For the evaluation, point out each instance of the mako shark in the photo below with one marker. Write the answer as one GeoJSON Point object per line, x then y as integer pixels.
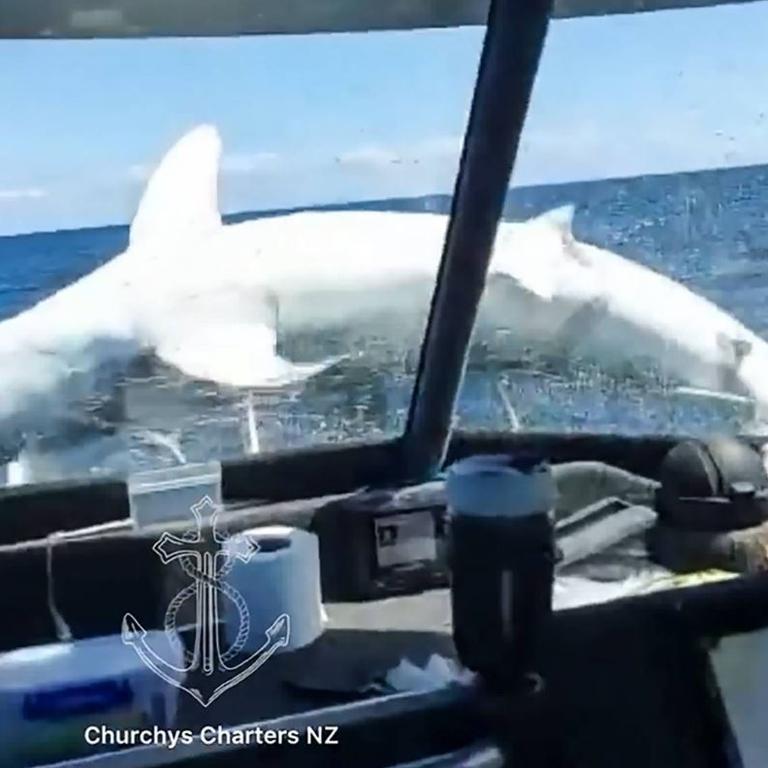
{"type": "Point", "coordinates": [210, 299]}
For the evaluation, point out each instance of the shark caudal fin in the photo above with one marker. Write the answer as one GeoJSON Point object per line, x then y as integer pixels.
{"type": "Point", "coordinates": [181, 196]}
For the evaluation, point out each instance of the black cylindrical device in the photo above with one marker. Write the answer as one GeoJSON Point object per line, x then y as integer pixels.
{"type": "Point", "coordinates": [501, 557]}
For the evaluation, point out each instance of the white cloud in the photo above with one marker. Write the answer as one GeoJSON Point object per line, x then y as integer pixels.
{"type": "Point", "coordinates": [373, 157]}
{"type": "Point", "coordinates": [588, 150]}
{"type": "Point", "coordinates": [31, 193]}
{"type": "Point", "coordinates": [246, 163]}
{"type": "Point", "coordinates": [383, 169]}
{"type": "Point", "coordinates": [140, 172]}
{"type": "Point", "coordinates": [241, 164]}
{"type": "Point", "coordinates": [447, 147]}
{"type": "Point", "coordinates": [438, 149]}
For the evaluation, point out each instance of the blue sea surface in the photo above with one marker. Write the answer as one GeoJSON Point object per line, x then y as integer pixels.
{"type": "Point", "coordinates": [708, 230]}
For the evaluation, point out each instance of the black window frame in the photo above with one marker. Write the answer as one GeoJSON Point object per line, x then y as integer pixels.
{"type": "Point", "coordinates": [516, 30]}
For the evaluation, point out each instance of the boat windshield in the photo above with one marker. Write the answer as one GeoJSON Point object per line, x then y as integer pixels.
{"type": "Point", "coordinates": [627, 288]}
{"type": "Point", "coordinates": [138, 329]}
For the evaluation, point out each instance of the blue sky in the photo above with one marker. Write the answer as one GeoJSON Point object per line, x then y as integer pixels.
{"type": "Point", "coordinates": [343, 117]}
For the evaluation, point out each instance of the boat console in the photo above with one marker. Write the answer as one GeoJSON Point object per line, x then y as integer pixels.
{"type": "Point", "coordinates": [517, 598]}
{"type": "Point", "coordinates": [639, 661]}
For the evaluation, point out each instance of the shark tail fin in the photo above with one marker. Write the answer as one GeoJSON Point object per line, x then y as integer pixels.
{"type": "Point", "coordinates": [181, 195]}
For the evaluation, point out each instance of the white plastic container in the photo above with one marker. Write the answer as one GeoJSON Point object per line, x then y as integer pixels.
{"type": "Point", "coordinates": [50, 694]}
{"type": "Point", "coordinates": [165, 496]}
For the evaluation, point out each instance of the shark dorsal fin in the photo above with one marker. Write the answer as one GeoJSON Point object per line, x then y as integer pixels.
{"type": "Point", "coordinates": [533, 252]}
{"type": "Point", "coordinates": [560, 219]}
{"type": "Point", "coordinates": [181, 196]}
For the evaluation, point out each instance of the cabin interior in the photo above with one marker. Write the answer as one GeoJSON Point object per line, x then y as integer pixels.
{"type": "Point", "coordinates": [627, 679]}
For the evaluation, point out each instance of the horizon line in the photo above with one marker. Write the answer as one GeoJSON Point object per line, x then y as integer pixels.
{"type": "Point", "coordinates": [286, 210]}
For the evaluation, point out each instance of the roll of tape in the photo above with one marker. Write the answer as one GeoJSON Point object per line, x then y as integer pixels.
{"type": "Point", "coordinates": [282, 578]}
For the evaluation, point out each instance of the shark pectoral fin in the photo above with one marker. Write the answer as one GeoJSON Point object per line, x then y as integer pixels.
{"type": "Point", "coordinates": [181, 196]}
{"type": "Point", "coordinates": [579, 325]}
{"type": "Point", "coordinates": [235, 354]}
{"type": "Point", "coordinates": [736, 349]}
{"type": "Point", "coordinates": [537, 281]}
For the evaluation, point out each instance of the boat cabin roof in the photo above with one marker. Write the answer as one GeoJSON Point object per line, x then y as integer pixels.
{"type": "Point", "coordinates": [149, 18]}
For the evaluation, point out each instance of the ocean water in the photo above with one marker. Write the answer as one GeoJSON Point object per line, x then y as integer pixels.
{"type": "Point", "coordinates": [708, 230]}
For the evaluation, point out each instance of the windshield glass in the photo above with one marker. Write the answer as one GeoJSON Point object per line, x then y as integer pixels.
{"type": "Point", "coordinates": [627, 288]}
{"type": "Point", "coordinates": [138, 330]}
